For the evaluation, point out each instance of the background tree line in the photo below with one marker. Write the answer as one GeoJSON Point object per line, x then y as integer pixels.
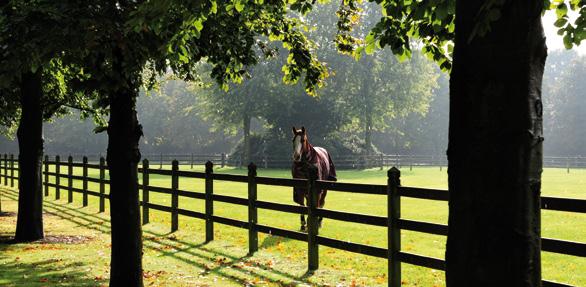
{"type": "Point", "coordinates": [198, 117]}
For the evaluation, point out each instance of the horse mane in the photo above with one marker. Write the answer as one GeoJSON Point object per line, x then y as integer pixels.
{"type": "Point", "coordinates": [311, 154]}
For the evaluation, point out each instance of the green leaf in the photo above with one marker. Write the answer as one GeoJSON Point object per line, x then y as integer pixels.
{"type": "Point", "coordinates": [404, 56]}
{"type": "Point", "coordinates": [214, 8]}
{"type": "Point", "coordinates": [560, 22]}
{"type": "Point", "coordinates": [369, 49]}
{"type": "Point", "coordinates": [358, 53]}
{"type": "Point", "coordinates": [198, 24]}
{"type": "Point", "coordinates": [370, 38]}
{"type": "Point", "coordinates": [239, 6]}
{"type": "Point", "coordinates": [450, 48]}
{"type": "Point", "coordinates": [579, 35]}
{"type": "Point", "coordinates": [100, 129]}
{"type": "Point", "coordinates": [561, 10]}
{"type": "Point", "coordinates": [568, 41]}
{"type": "Point", "coordinates": [441, 12]}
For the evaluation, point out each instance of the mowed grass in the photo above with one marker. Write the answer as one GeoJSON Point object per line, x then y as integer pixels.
{"type": "Point", "coordinates": [182, 258]}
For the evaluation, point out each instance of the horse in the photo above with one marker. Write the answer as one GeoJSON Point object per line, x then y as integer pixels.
{"type": "Point", "coordinates": [303, 154]}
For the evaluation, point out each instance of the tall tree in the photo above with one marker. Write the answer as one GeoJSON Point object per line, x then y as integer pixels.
{"type": "Point", "coordinates": [126, 37]}
{"type": "Point", "coordinates": [495, 147]}
{"type": "Point", "coordinates": [33, 84]}
{"type": "Point", "coordinates": [375, 86]}
{"type": "Point", "coordinates": [495, 132]}
{"type": "Point", "coordinates": [235, 108]}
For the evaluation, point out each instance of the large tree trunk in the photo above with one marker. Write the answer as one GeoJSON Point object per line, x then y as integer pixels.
{"type": "Point", "coordinates": [495, 148]}
{"type": "Point", "coordinates": [29, 225]}
{"type": "Point", "coordinates": [124, 132]}
{"type": "Point", "coordinates": [246, 130]}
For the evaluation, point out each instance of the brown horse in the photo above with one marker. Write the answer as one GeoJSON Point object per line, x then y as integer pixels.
{"type": "Point", "coordinates": [303, 154]}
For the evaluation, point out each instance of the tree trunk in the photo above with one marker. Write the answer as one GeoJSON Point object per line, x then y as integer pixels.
{"type": "Point", "coordinates": [495, 148]}
{"type": "Point", "coordinates": [246, 130]}
{"type": "Point", "coordinates": [368, 110]}
{"type": "Point", "coordinates": [124, 132]}
{"type": "Point", "coordinates": [368, 133]}
{"type": "Point", "coordinates": [29, 225]}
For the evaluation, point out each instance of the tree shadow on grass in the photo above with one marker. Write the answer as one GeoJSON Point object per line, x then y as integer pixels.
{"type": "Point", "coordinates": [271, 241]}
{"type": "Point", "coordinates": [45, 273]}
{"type": "Point", "coordinates": [7, 214]}
{"type": "Point", "coordinates": [238, 269]}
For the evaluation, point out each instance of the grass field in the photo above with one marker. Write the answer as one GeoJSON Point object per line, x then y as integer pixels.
{"type": "Point", "coordinates": [182, 259]}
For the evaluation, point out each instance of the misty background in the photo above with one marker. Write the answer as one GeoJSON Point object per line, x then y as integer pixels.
{"type": "Point", "coordinates": [375, 104]}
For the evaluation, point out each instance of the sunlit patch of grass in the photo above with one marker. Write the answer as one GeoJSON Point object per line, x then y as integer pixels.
{"type": "Point", "coordinates": [182, 259]}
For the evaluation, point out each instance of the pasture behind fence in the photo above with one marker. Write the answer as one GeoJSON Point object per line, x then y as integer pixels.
{"type": "Point", "coordinates": [393, 191]}
{"type": "Point", "coordinates": [380, 160]}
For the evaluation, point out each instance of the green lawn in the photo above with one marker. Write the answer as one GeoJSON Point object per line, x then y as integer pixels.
{"type": "Point", "coordinates": [181, 258]}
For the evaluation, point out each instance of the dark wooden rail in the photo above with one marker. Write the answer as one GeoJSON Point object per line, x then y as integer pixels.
{"type": "Point", "coordinates": [393, 191]}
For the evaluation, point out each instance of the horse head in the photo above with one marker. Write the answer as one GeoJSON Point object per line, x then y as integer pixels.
{"type": "Point", "coordinates": [300, 144]}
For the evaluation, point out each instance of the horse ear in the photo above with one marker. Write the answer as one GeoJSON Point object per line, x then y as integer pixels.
{"type": "Point", "coordinates": [294, 130]}
{"type": "Point", "coordinates": [303, 129]}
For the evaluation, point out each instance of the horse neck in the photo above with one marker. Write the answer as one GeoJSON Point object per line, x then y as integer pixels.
{"type": "Point", "coordinates": [310, 153]}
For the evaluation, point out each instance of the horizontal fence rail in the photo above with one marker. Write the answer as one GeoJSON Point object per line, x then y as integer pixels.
{"type": "Point", "coordinates": [393, 191]}
{"type": "Point", "coordinates": [341, 161]}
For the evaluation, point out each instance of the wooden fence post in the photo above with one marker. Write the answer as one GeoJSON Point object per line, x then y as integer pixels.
{"type": "Point", "coordinates": [161, 162]}
{"type": "Point", "coordinates": [0, 183]}
{"type": "Point", "coordinates": [382, 161]}
{"type": "Point", "coordinates": [84, 184]}
{"type": "Point", "coordinates": [312, 221]}
{"type": "Point", "coordinates": [102, 184]}
{"type": "Point", "coordinates": [6, 169]}
{"type": "Point", "coordinates": [46, 175]}
{"type": "Point", "coordinates": [252, 211]}
{"type": "Point", "coordinates": [145, 191]}
{"type": "Point", "coordinates": [70, 179]}
{"type": "Point", "coordinates": [57, 177]}
{"type": "Point", "coordinates": [209, 201]}
{"type": "Point", "coordinates": [174, 196]}
{"type": "Point", "coordinates": [191, 161]}
{"type": "Point", "coordinates": [1, 169]}
{"type": "Point", "coordinates": [394, 232]}
{"type": "Point", "coordinates": [397, 160]}
{"type": "Point", "coordinates": [223, 160]}
{"type": "Point", "coordinates": [11, 170]}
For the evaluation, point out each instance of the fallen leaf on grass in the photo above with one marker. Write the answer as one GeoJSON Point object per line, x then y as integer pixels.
{"type": "Point", "coordinates": [151, 275]}
{"type": "Point", "coordinates": [381, 279]}
{"type": "Point", "coordinates": [221, 260]}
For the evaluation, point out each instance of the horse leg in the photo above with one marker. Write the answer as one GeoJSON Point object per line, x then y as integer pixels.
{"type": "Point", "coordinates": [321, 203]}
{"type": "Point", "coordinates": [303, 222]}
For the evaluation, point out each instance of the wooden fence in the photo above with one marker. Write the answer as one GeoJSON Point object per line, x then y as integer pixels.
{"type": "Point", "coordinates": [393, 191]}
{"type": "Point", "coordinates": [342, 162]}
